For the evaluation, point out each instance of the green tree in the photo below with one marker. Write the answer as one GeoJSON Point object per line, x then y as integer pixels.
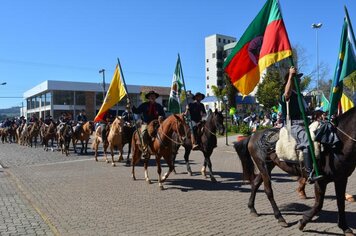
{"type": "Point", "coordinates": [218, 93]}
{"type": "Point", "coordinates": [231, 92]}
{"type": "Point", "coordinates": [269, 90]}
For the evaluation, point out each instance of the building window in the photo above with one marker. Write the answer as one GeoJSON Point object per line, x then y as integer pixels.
{"type": "Point", "coordinates": [99, 98]}
{"type": "Point", "coordinates": [207, 94]}
{"type": "Point", "coordinates": [63, 97]}
{"type": "Point", "coordinates": [213, 55]}
{"type": "Point", "coordinates": [228, 41]}
{"type": "Point", "coordinates": [219, 73]}
{"type": "Point", "coordinates": [207, 86]}
{"type": "Point", "coordinates": [219, 65]}
{"type": "Point", "coordinates": [207, 78]}
{"type": "Point", "coordinates": [224, 41]}
{"type": "Point", "coordinates": [48, 99]}
{"type": "Point", "coordinates": [79, 98]}
{"type": "Point", "coordinates": [207, 60]}
{"type": "Point", "coordinates": [207, 69]}
{"type": "Point", "coordinates": [219, 55]}
{"type": "Point", "coordinates": [219, 40]}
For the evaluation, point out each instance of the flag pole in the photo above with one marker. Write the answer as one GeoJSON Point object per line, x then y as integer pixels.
{"type": "Point", "coordinates": [128, 97]}
{"type": "Point", "coordinates": [186, 95]}
{"type": "Point", "coordinates": [306, 125]}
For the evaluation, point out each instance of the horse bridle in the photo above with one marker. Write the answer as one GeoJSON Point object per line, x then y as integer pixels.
{"type": "Point", "coordinates": [169, 138]}
{"type": "Point", "coordinates": [343, 132]}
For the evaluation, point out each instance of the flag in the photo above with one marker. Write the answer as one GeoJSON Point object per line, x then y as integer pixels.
{"type": "Point", "coordinates": [324, 103]}
{"type": "Point", "coordinates": [174, 105]}
{"type": "Point", "coordinates": [115, 93]}
{"type": "Point", "coordinates": [264, 43]}
{"type": "Point", "coordinates": [346, 64]}
{"type": "Point", "coordinates": [346, 103]}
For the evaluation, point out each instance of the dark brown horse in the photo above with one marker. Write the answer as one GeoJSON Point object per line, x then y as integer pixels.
{"type": "Point", "coordinates": [127, 133]}
{"type": "Point", "coordinates": [213, 124]}
{"type": "Point", "coordinates": [83, 135]}
{"type": "Point", "coordinates": [161, 146]}
{"type": "Point", "coordinates": [335, 164]}
{"type": "Point", "coordinates": [64, 136]}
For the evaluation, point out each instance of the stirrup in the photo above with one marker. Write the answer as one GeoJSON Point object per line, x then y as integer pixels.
{"type": "Point", "coordinates": [312, 179]}
{"type": "Point", "coordinates": [196, 147]}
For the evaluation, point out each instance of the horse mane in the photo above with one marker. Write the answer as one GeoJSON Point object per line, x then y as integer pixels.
{"type": "Point", "coordinates": [345, 118]}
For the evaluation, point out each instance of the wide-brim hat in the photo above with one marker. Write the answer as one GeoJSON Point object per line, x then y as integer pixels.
{"type": "Point", "coordinates": [199, 94]}
{"type": "Point", "coordinates": [150, 93]}
{"type": "Point", "coordinates": [299, 75]}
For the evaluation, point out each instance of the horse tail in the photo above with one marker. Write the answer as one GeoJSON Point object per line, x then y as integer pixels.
{"type": "Point", "coordinates": [248, 167]}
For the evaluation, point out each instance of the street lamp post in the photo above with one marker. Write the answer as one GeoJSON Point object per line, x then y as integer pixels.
{"type": "Point", "coordinates": [317, 26]}
{"type": "Point", "coordinates": [226, 114]}
{"type": "Point", "coordinates": [103, 72]}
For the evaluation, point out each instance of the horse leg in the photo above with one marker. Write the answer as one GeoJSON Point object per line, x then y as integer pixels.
{"type": "Point", "coordinates": [301, 188]}
{"type": "Point", "coordinates": [340, 189]}
{"type": "Point", "coordinates": [170, 166]}
{"type": "Point", "coordinates": [74, 145]}
{"type": "Point", "coordinates": [210, 166]}
{"type": "Point", "coordinates": [82, 149]}
{"type": "Point", "coordinates": [112, 155]}
{"type": "Point", "coordinates": [186, 158]}
{"type": "Point", "coordinates": [269, 192]}
{"type": "Point", "coordinates": [86, 146]}
{"type": "Point", "coordinates": [319, 191]}
{"type": "Point", "coordinates": [128, 155]}
{"type": "Point", "coordinates": [159, 172]}
{"type": "Point", "coordinates": [255, 184]}
{"type": "Point", "coordinates": [96, 146]}
{"type": "Point", "coordinates": [121, 158]}
{"type": "Point", "coordinates": [145, 166]}
{"type": "Point", "coordinates": [203, 169]}
{"type": "Point", "coordinates": [136, 156]}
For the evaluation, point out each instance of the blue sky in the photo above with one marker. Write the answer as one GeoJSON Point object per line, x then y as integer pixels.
{"type": "Point", "coordinates": [72, 40]}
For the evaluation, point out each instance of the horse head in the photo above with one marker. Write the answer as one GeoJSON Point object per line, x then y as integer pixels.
{"type": "Point", "coordinates": [217, 120]}
{"type": "Point", "coordinates": [117, 124]}
{"type": "Point", "coordinates": [180, 127]}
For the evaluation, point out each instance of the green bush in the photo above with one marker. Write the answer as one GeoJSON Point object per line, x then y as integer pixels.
{"type": "Point", "coordinates": [244, 129]}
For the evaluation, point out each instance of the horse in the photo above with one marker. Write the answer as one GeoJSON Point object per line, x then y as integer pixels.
{"type": "Point", "coordinates": [115, 139]}
{"type": "Point", "coordinates": [48, 132]}
{"type": "Point", "coordinates": [64, 135]}
{"type": "Point", "coordinates": [83, 136]}
{"type": "Point", "coordinates": [214, 123]}
{"type": "Point", "coordinates": [33, 133]}
{"type": "Point", "coordinates": [127, 133]}
{"type": "Point", "coordinates": [98, 139]}
{"type": "Point", "coordinates": [335, 165]}
{"type": "Point", "coordinates": [160, 146]}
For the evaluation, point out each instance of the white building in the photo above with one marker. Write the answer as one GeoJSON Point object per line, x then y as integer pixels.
{"type": "Point", "coordinates": [54, 97]}
{"type": "Point", "coordinates": [214, 60]}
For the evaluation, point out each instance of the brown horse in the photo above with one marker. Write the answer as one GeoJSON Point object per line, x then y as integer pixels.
{"type": "Point", "coordinates": [98, 139]}
{"type": "Point", "coordinates": [48, 132]}
{"type": "Point", "coordinates": [115, 138]}
{"type": "Point", "coordinates": [335, 164]}
{"type": "Point", "coordinates": [161, 146]}
{"type": "Point", "coordinates": [127, 133]}
{"type": "Point", "coordinates": [83, 136]}
{"type": "Point", "coordinates": [34, 131]}
{"type": "Point", "coordinates": [64, 135]}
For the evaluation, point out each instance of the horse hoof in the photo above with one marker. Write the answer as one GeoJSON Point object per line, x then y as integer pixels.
{"type": "Point", "coordinates": [213, 180]}
{"type": "Point", "coordinates": [301, 225]}
{"type": "Point", "coordinates": [148, 181]}
{"type": "Point", "coordinates": [161, 187]}
{"type": "Point", "coordinates": [107, 161]}
{"type": "Point", "coordinates": [348, 232]}
{"type": "Point", "coordinates": [282, 222]}
{"type": "Point", "coordinates": [253, 213]}
{"type": "Point", "coordinates": [113, 164]}
{"type": "Point", "coordinates": [134, 178]}
{"type": "Point", "coordinates": [302, 194]}
{"type": "Point", "coordinates": [349, 198]}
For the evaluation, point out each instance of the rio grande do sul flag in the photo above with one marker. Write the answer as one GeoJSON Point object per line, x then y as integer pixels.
{"type": "Point", "coordinates": [264, 43]}
{"type": "Point", "coordinates": [174, 105]}
{"type": "Point", "coordinates": [115, 93]}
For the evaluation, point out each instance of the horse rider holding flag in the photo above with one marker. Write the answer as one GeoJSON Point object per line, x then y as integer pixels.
{"type": "Point", "coordinates": [150, 110]}
{"type": "Point", "coordinates": [294, 121]}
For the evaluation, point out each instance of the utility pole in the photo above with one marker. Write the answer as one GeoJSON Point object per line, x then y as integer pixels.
{"type": "Point", "coordinates": [103, 72]}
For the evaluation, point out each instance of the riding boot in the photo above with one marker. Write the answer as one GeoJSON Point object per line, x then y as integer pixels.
{"type": "Point", "coordinates": [145, 141]}
{"type": "Point", "coordinates": [195, 139]}
{"type": "Point", "coordinates": [103, 133]}
{"type": "Point", "coordinates": [308, 164]}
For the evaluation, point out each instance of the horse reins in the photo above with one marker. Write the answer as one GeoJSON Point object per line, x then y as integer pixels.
{"type": "Point", "coordinates": [343, 132]}
{"type": "Point", "coordinates": [181, 143]}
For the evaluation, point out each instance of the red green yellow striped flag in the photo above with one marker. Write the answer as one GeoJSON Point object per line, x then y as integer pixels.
{"type": "Point", "coordinates": [264, 43]}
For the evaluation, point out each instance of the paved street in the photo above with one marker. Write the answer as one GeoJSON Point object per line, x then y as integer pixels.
{"type": "Point", "coordinates": [46, 193]}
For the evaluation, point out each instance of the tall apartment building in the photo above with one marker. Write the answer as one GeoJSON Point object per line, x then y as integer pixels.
{"type": "Point", "coordinates": [214, 60]}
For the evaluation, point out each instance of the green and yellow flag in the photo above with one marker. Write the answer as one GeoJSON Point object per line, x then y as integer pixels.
{"type": "Point", "coordinates": [174, 104]}
{"type": "Point", "coordinates": [346, 64]}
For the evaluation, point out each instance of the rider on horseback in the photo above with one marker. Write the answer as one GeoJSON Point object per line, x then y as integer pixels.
{"type": "Point", "coordinates": [81, 119]}
{"type": "Point", "coordinates": [197, 112]}
{"type": "Point", "coordinates": [290, 98]}
{"type": "Point", "coordinates": [150, 110]}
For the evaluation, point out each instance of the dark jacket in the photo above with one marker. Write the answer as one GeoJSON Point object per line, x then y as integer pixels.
{"type": "Point", "coordinates": [149, 113]}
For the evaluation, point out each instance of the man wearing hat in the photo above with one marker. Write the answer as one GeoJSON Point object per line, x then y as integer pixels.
{"type": "Point", "coordinates": [150, 110]}
{"type": "Point", "coordinates": [197, 112]}
{"type": "Point", "coordinates": [290, 98]}
{"type": "Point", "coordinates": [127, 115]}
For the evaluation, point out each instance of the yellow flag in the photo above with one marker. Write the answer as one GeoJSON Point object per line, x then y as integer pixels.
{"type": "Point", "coordinates": [115, 93]}
{"type": "Point", "coordinates": [346, 103]}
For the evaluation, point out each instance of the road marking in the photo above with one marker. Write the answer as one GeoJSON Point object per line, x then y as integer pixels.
{"type": "Point", "coordinates": [63, 162]}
